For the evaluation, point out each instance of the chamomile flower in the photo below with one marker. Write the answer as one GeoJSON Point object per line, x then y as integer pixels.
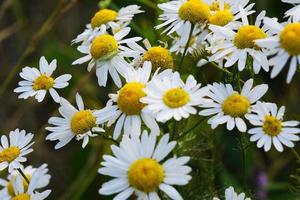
{"type": "Point", "coordinates": [28, 191]}
{"type": "Point", "coordinates": [240, 43]}
{"type": "Point", "coordinates": [230, 106]}
{"type": "Point", "coordinates": [105, 52]}
{"type": "Point", "coordinates": [169, 97]}
{"type": "Point", "coordinates": [195, 43]}
{"type": "Point", "coordinates": [139, 168]}
{"type": "Point", "coordinates": [8, 191]}
{"type": "Point", "coordinates": [270, 127]}
{"type": "Point", "coordinates": [224, 12]}
{"type": "Point", "coordinates": [38, 82]}
{"type": "Point", "coordinates": [159, 56]}
{"type": "Point", "coordinates": [294, 12]}
{"type": "Point", "coordinates": [284, 46]}
{"type": "Point", "coordinates": [183, 13]}
{"type": "Point", "coordinates": [79, 123]}
{"type": "Point", "coordinates": [125, 106]}
{"type": "Point", "coordinates": [14, 148]}
{"type": "Point", "coordinates": [230, 194]}
{"type": "Point", "coordinates": [108, 19]}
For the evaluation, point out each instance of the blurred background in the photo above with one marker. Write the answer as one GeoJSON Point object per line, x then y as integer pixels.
{"type": "Point", "coordinates": [33, 28]}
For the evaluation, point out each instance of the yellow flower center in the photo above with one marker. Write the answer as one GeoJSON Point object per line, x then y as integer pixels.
{"type": "Point", "coordinates": [103, 16]}
{"type": "Point", "coordinates": [236, 105]}
{"type": "Point", "coordinates": [10, 188]}
{"type": "Point", "coordinates": [104, 47]}
{"type": "Point", "coordinates": [194, 11]}
{"type": "Point", "coordinates": [246, 36]}
{"type": "Point", "coordinates": [215, 6]}
{"type": "Point", "coordinates": [21, 197]}
{"type": "Point", "coordinates": [145, 175]}
{"type": "Point", "coordinates": [159, 57]}
{"type": "Point", "coordinates": [43, 82]}
{"type": "Point", "coordinates": [129, 98]}
{"type": "Point", "coordinates": [9, 154]}
{"type": "Point", "coordinates": [221, 17]}
{"type": "Point", "coordinates": [176, 97]}
{"type": "Point", "coordinates": [272, 126]}
{"type": "Point", "coordinates": [290, 39]}
{"type": "Point", "coordinates": [82, 122]}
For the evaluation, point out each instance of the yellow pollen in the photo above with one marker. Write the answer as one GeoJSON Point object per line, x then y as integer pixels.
{"type": "Point", "coordinates": [43, 82]}
{"type": "Point", "coordinates": [176, 97]}
{"type": "Point", "coordinates": [272, 126]}
{"type": "Point", "coordinates": [103, 16]}
{"type": "Point", "coordinates": [9, 154]}
{"type": "Point", "coordinates": [145, 175]}
{"type": "Point", "coordinates": [221, 18]}
{"type": "Point", "coordinates": [129, 98]}
{"type": "Point", "coordinates": [246, 36]}
{"type": "Point", "coordinates": [10, 188]}
{"type": "Point", "coordinates": [159, 57]}
{"type": "Point", "coordinates": [82, 122]}
{"type": "Point", "coordinates": [215, 6]}
{"type": "Point", "coordinates": [21, 197]}
{"type": "Point", "coordinates": [236, 105]}
{"type": "Point", "coordinates": [290, 39]}
{"type": "Point", "coordinates": [194, 11]}
{"type": "Point", "coordinates": [104, 47]}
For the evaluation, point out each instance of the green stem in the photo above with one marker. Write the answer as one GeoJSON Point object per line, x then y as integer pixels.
{"type": "Point", "coordinates": [296, 154]}
{"type": "Point", "coordinates": [192, 128]}
{"type": "Point", "coordinates": [243, 155]}
{"type": "Point", "coordinates": [23, 175]}
{"type": "Point", "coordinates": [186, 48]}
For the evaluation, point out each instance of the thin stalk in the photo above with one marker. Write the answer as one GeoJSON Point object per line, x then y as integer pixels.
{"type": "Point", "coordinates": [192, 128]}
{"type": "Point", "coordinates": [243, 155]}
{"type": "Point", "coordinates": [296, 154]}
{"type": "Point", "coordinates": [186, 48]}
{"type": "Point", "coordinates": [23, 175]}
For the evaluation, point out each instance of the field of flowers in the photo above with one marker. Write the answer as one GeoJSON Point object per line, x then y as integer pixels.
{"type": "Point", "coordinates": [149, 100]}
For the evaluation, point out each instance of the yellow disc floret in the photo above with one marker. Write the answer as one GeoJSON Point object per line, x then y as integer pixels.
{"type": "Point", "coordinates": [290, 39]}
{"type": "Point", "coordinates": [82, 122]}
{"type": "Point", "coordinates": [21, 197]}
{"type": "Point", "coordinates": [236, 105]}
{"type": "Point", "coordinates": [159, 57]}
{"type": "Point", "coordinates": [103, 16]}
{"type": "Point", "coordinates": [215, 6]}
{"type": "Point", "coordinates": [11, 190]}
{"type": "Point", "coordinates": [272, 126]}
{"type": "Point", "coordinates": [221, 18]}
{"type": "Point", "coordinates": [194, 11]}
{"type": "Point", "coordinates": [9, 154]}
{"type": "Point", "coordinates": [145, 175]}
{"type": "Point", "coordinates": [176, 97]}
{"type": "Point", "coordinates": [129, 98]}
{"type": "Point", "coordinates": [104, 47]}
{"type": "Point", "coordinates": [43, 82]}
{"type": "Point", "coordinates": [246, 36]}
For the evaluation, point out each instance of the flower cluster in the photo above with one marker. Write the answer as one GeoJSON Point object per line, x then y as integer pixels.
{"type": "Point", "coordinates": [153, 93]}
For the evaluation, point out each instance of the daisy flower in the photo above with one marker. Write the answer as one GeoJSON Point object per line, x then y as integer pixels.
{"type": "Point", "coordinates": [240, 43]}
{"type": "Point", "coordinates": [181, 14]}
{"type": "Point", "coordinates": [38, 82]}
{"type": "Point", "coordinates": [14, 149]}
{"type": "Point", "coordinates": [160, 57]}
{"type": "Point", "coordinates": [125, 106]}
{"type": "Point", "coordinates": [230, 106]}
{"type": "Point", "coordinates": [105, 52]}
{"type": "Point", "coordinates": [139, 168]}
{"type": "Point", "coordinates": [8, 191]}
{"type": "Point", "coordinates": [27, 192]}
{"type": "Point", "coordinates": [223, 12]}
{"type": "Point", "coordinates": [107, 18]}
{"type": "Point", "coordinates": [79, 123]}
{"type": "Point", "coordinates": [270, 127]}
{"type": "Point", "coordinates": [294, 12]}
{"type": "Point", "coordinates": [169, 97]}
{"type": "Point", "coordinates": [230, 194]}
{"type": "Point", "coordinates": [284, 46]}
